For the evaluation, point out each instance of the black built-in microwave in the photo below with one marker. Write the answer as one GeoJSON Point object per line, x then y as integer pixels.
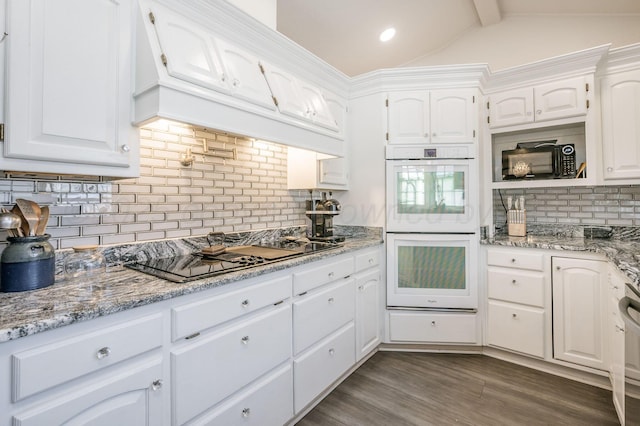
{"type": "Point", "coordinates": [539, 160]}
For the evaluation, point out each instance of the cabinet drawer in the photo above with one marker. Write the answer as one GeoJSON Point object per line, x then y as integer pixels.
{"type": "Point", "coordinates": [315, 277]}
{"type": "Point", "coordinates": [207, 371]}
{"type": "Point", "coordinates": [314, 371]}
{"type": "Point", "coordinates": [513, 285]}
{"type": "Point", "coordinates": [367, 260]}
{"type": "Point", "coordinates": [515, 259]}
{"type": "Point", "coordinates": [41, 368]}
{"type": "Point", "coordinates": [195, 317]}
{"type": "Point", "coordinates": [319, 314]}
{"type": "Point", "coordinates": [267, 402]}
{"type": "Point", "coordinates": [432, 327]}
{"type": "Point", "coordinates": [516, 327]}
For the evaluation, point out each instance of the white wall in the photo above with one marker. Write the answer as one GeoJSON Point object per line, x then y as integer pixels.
{"type": "Point", "coordinates": [264, 11]}
{"type": "Point", "coordinates": [518, 40]}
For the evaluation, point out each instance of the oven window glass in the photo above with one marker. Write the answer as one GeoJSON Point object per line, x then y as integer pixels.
{"type": "Point", "coordinates": [436, 189]}
{"type": "Point", "coordinates": [431, 267]}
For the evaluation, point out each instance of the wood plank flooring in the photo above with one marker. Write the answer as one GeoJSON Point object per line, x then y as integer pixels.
{"type": "Point", "coordinates": [408, 388]}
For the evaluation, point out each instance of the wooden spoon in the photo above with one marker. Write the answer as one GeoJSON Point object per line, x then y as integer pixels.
{"type": "Point", "coordinates": [31, 213]}
{"type": "Point", "coordinates": [24, 225]}
{"type": "Point", "coordinates": [44, 219]}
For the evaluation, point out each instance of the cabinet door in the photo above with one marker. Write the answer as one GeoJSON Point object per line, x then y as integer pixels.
{"type": "Point", "coordinates": [69, 87]}
{"type": "Point", "coordinates": [333, 171]}
{"type": "Point", "coordinates": [579, 300]}
{"type": "Point", "coordinates": [566, 98]}
{"type": "Point", "coordinates": [286, 93]}
{"type": "Point", "coordinates": [408, 115]}
{"type": "Point", "coordinates": [453, 116]}
{"type": "Point", "coordinates": [132, 396]}
{"type": "Point", "coordinates": [616, 342]}
{"type": "Point", "coordinates": [367, 312]}
{"type": "Point", "coordinates": [244, 75]}
{"type": "Point", "coordinates": [189, 50]}
{"type": "Point", "coordinates": [318, 109]}
{"type": "Point", "coordinates": [621, 125]}
{"type": "Point", "coordinates": [511, 108]}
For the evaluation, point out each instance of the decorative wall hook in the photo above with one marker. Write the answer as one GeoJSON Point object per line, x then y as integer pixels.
{"type": "Point", "coordinates": [187, 158]}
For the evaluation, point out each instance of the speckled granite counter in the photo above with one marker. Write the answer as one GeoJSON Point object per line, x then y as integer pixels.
{"type": "Point", "coordinates": [67, 302]}
{"type": "Point", "coordinates": [624, 253]}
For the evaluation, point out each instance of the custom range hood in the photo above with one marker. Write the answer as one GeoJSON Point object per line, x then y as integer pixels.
{"type": "Point", "coordinates": [210, 65]}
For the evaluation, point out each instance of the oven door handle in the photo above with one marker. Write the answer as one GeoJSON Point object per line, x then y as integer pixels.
{"type": "Point", "coordinates": [624, 305]}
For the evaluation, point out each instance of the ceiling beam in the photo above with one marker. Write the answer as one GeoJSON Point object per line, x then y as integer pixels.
{"type": "Point", "coordinates": [488, 11]}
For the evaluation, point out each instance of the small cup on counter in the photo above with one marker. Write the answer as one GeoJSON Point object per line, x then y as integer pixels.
{"type": "Point", "coordinates": [85, 264]}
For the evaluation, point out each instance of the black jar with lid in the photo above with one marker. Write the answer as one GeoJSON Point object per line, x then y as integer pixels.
{"type": "Point", "coordinates": [27, 263]}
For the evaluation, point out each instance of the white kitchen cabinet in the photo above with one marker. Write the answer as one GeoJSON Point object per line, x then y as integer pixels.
{"type": "Point", "coordinates": [620, 109]}
{"type": "Point", "coordinates": [428, 327]}
{"type": "Point", "coordinates": [616, 340]}
{"type": "Point", "coordinates": [437, 116]}
{"type": "Point", "coordinates": [298, 98]}
{"type": "Point", "coordinates": [69, 84]}
{"type": "Point", "coordinates": [311, 170]}
{"type": "Point", "coordinates": [516, 289]}
{"type": "Point", "coordinates": [544, 102]}
{"type": "Point", "coordinates": [368, 306]}
{"type": "Point", "coordinates": [579, 303]}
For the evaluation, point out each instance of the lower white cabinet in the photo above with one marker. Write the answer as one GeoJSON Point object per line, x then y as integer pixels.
{"type": "Point", "coordinates": [413, 326]}
{"type": "Point", "coordinates": [321, 365]}
{"type": "Point", "coordinates": [215, 366]}
{"type": "Point", "coordinates": [579, 302]}
{"type": "Point", "coordinates": [516, 327]}
{"type": "Point", "coordinates": [616, 341]}
{"type": "Point", "coordinates": [368, 311]}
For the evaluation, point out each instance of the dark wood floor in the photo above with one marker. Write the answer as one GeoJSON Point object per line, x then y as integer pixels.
{"type": "Point", "coordinates": [404, 388]}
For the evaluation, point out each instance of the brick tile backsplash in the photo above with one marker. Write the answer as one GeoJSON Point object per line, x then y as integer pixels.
{"type": "Point", "coordinates": [598, 205]}
{"type": "Point", "coordinates": [169, 200]}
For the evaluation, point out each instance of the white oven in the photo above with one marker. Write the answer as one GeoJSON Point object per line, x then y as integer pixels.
{"type": "Point", "coordinates": [431, 189]}
{"type": "Point", "coordinates": [432, 271]}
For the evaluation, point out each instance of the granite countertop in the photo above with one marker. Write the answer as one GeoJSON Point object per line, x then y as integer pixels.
{"type": "Point", "coordinates": [66, 301]}
{"type": "Point", "coordinates": [624, 254]}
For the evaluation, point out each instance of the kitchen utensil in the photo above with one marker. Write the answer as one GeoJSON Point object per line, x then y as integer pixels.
{"type": "Point", "coordinates": [24, 225]}
{"type": "Point", "coordinates": [44, 219]}
{"type": "Point", "coordinates": [31, 213]}
{"type": "Point", "coordinates": [9, 220]}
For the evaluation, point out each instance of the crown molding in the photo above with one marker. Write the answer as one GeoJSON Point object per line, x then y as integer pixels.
{"type": "Point", "coordinates": [621, 59]}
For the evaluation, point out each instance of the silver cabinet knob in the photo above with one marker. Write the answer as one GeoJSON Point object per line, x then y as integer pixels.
{"type": "Point", "coordinates": [156, 385]}
{"type": "Point", "coordinates": [361, 287]}
{"type": "Point", "coordinates": [245, 303]}
{"type": "Point", "coordinates": [538, 111]}
{"type": "Point", "coordinates": [245, 340]}
{"type": "Point", "coordinates": [331, 300]}
{"type": "Point", "coordinates": [236, 82]}
{"type": "Point", "coordinates": [332, 352]}
{"type": "Point", "coordinates": [609, 169]}
{"type": "Point", "coordinates": [330, 274]}
{"type": "Point", "coordinates": [514, 316]}
{"type": "Point", "coordinates": [125, 148]}
{"type": "Point", "coordinates": [370, 261]}
{"type": "Point", "coordinates": [620, 329]}
{"type": "Point", "coordinates": [103, 352]}
{"type": "Point", "coordinates": [433, 323]}
{"type": "Point", "coordinates": [513, 282]}
{"type": "Point", "coordinates": [246, 412]}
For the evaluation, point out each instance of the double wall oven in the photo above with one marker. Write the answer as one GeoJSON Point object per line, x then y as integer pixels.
{"type": "Point", "coordinates": [432, 220]}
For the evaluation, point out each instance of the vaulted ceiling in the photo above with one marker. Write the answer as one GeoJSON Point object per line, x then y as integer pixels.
{"type": "Point", "coordinates": [344, 33]}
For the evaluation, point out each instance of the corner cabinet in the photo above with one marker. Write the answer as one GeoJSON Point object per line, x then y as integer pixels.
{"type": "Point", "coordinates": [620, 105]}
{"type": "Point", "coordinates": [436, 116]}
{"type": "Point", "coordinates": [580, 299]}
{"type": "Point", "coordinates": [69, 84]}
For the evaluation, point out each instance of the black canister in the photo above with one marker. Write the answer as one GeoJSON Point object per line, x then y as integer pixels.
{"type": "Point", "coordinates": [27, 263]}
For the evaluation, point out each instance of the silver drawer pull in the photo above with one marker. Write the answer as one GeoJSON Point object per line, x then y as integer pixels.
{"type": "Point", "coordinates": [331, 274]}
{"type": "Point", "coordinates": [370, 260]}
{"type": "Point", "coordinates": [332, 352]}
{"type": "Point", "coordinates": [513, 281]}
{"type": "Point", "coordinates": [514, 316]}
{"type": "Point", "coordinates": [246, 412]}
{"type": "Point", "coordinates": [433, 323]}
{"type": "Point", "coordinates": [331, 300]}
{"type": "Point", "coordinates": [103, 352]}
{"type": "Point", "coordinates": [156, 385]}
{"type": "Point", "coordinates": [245, 340]}
{"type": "Point", "coordinates": [245, 303]}
{"type": "Point", "coordinates": [513, 261]}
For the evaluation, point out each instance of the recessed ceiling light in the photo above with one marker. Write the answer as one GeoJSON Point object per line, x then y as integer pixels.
{"type": "Point", "coordinates": [387, 34]}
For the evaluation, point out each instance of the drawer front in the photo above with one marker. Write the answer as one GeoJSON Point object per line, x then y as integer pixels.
{"type": "Point", "coordinates": [513, 285]}
{"type": "Point", "coordinates": [318, 314]}
{"type": "Point", "coordinates": [314, 371]}
{"type": "Point", "coordinates": [268, 402]}
{"type": "Point", "coordinates": [206, 372]}
{"type": "Point", "coordinates": [195, 317]}
{"type": "Point", "coordinates": [41, 368]}
{"type": "Point", "coordinates": [515, 327]}
{"type": "Point", "coordinates": [515, 259]}
{"type": "Point", "coordinates": [433, 327]}
{"type": "Point", "coordinates": [315, 277]}
{"type": "Point", "coordinates": [367, 260]}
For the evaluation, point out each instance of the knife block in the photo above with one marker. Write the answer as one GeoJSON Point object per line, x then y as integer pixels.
{"type": "Point", "coordinates": [517, 223]}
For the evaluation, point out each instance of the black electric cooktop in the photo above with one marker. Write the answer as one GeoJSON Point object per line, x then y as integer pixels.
{"type": "Point", "coordinates": [198, 265]}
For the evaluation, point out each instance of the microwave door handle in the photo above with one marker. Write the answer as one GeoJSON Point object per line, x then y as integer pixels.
{"type": "Point", "coordinates": [555, 161]}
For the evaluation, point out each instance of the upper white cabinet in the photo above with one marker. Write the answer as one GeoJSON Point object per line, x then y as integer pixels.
{"type": "Point", "coordinates": [312, 170]}
{"type": "Point", "coordinates": [544, 102]}
{"type": "Point", "coordinates": [437, 116]}
{"type": "Point", "coordinates": [68, 98]}
{"type": "Point", "coordinates": [579, 303]}
{"type": "Point", "coordinates": [298, 98]}
{"type": "Point", "coordinates": [620, 106]}
{"type": "Point", "coordinates": [192, 54]}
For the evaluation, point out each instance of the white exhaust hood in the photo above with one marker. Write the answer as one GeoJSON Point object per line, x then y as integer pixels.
{"type": "Point", "coordinates": [187, 72]}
